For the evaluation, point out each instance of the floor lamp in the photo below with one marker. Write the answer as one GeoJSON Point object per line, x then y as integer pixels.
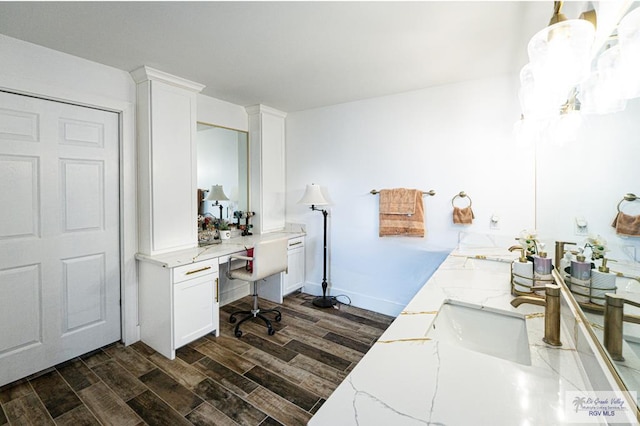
{"type": "Point", "coordinates": [217, 194]}
{"type": "Point", "coordinates": [313, 197]}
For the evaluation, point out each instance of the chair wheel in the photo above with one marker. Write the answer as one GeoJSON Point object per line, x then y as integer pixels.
{"type": "Point", "coordinates": [238, 333]}
{"type": "Point", "coordinates": [271, 331]}
{"type": "Point", "coordinates": [278, 317]}
{"type": "Point", "coordinates": [232, 319]}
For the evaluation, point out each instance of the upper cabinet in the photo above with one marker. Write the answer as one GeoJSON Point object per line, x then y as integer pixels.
{"type": "Point", "coordinates": [267, 139]}
{"type": "Point", "coordinates": [166, 122]}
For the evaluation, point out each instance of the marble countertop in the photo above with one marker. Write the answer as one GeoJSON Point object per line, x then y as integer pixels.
{"type": "Point", "coordinates": [225, 248]}
{"type": "Point", "coordinates": [410, 379]}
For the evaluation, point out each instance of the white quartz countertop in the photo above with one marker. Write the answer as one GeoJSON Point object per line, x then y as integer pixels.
{"type": "Point", "coordinates": [225, 248]}
{"type": "Point", "coordinates": [409, 379]}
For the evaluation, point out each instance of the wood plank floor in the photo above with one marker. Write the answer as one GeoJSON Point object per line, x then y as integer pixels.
{"type": "Point", "coordinates": [255, 380]}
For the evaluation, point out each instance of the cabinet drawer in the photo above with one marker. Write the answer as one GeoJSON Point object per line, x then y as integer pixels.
{"type": "Point", "coordinates": [195, 270]}
{"type": "Point", "coordinates": [295, 243]}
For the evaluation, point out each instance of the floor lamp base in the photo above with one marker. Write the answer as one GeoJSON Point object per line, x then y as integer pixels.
{"type": "Point", "coordinates": [324, 301]}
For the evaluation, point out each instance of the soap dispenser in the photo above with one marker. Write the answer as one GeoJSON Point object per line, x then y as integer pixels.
{"type": "Point", "coordinates": [542, 266]}
{"type": "Point", "coordinates": [521, 272]}
{"type": "Point", "coordinates": [602, 282]}
{"type": "Point", "coordinates": [542, 269]}
{"type": "Point", "coordinates": [581, 279]}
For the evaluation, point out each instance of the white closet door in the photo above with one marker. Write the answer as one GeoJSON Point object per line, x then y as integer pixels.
{"type": "Point", "coordinates": [59, 233]}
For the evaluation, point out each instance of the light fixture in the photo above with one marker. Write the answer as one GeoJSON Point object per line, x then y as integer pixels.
{"type": "Point", "coordinates": [559, 59]}
{"type": "Point", "coordinates": [217, 194]}
{"type": "Point", "coordinates": [629, 37]}
{"type": "Point", "coordinates": [313, 197]}
{"type": "Point", "coordinates": [575, 69]}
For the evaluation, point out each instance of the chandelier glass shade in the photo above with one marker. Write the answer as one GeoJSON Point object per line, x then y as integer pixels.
{"type": "Point", "coordinates": [574, 70]}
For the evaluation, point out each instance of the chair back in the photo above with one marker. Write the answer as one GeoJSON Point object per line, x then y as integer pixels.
{"type": "Point", "coordinates": [269, 257]}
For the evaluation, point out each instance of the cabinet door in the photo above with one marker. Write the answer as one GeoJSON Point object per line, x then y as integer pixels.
{"type": "Point", "coordinates": [195, 308]}
{"type": "Point", "coordinates": [294, 278]}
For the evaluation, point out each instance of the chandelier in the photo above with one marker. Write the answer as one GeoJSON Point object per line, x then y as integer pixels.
{"type": "Point", "coordinates": [588, 65]}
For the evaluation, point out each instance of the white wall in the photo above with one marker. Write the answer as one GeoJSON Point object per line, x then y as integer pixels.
{"type": "Point", "coordinates": [449, 138]}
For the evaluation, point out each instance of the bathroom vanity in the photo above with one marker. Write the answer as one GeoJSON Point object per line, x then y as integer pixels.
{"type": "Point", "coordinates": [180, 292]}
{"type": "Point", "coordinates": [460, 353]}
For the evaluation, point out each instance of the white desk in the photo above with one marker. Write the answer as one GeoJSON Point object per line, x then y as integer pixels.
{"type": "Point", "coordinates": [180, 292]}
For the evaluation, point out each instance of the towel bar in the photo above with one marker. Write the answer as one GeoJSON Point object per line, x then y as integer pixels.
{"type": "Point", "coordinates": [431, 192]}
{"type": "Point", "coordinates": [627, 197]}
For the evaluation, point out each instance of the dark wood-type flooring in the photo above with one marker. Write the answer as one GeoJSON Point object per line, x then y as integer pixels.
{"type": "Point", "coordinates": [255, 380]}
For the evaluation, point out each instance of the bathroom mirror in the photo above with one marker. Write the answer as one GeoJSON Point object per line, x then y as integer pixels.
{"type": "Point", "coordinates": [581, 183]}
{"type": "Point", "coordinates": [223, 159]}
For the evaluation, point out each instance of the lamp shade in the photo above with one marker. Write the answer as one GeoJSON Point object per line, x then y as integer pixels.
{"type": "Point", "coordinates": [313, 196]}
{"type": "Point", "coordinates": [216, 193]}
{"type": "Point", "coordinates": [560, 55]}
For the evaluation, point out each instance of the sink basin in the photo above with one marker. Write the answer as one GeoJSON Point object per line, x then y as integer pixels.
{"type": "Point", "coordinates": [493, 332]}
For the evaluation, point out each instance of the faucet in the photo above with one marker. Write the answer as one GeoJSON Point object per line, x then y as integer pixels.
{"type": "Point", "coordinates": [551, 304]}
{"type": "Point", "coordinates": [613, 318]}
{"type": "Point", "coordinates": [560, 251]}
{"type": "Point", "coordinates": [523, 255]}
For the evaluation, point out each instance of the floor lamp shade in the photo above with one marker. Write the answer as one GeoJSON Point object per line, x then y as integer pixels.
{"type": "Point", "coordinates": [217, 194]}
{"type": "Point", "coordinates": [313, 197]}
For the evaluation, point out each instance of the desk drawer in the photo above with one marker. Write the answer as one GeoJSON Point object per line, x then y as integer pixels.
{"type": "Point", "coordinates": [295, 243]}
{"type": "Point", "coordinates": [195, 270]}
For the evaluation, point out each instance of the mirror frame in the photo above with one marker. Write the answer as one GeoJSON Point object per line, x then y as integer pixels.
{"type": "Point", "coordinates": [248, 157]}
{"type": "Point", "coordinates": [592, 335]}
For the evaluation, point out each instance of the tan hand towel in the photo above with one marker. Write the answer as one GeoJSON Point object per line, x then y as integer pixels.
{"type": "Point", "coordinates": [627, 225]}
{"type": "Point", "coordinates": [463, 216]}
{"type": "Point", "coordinates": [410, 225]}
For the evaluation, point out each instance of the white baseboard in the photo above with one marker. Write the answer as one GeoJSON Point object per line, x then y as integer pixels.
{"type": "Point", "coordinates": [359, 300]}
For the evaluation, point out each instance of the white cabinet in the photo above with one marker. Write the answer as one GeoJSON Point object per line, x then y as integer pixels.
{"type": "Point", "coordinates": [166, 125]}
{"type": "Point", "coordinates": [178, 305]}
{"type": "Point", "coordinates": [267, 139]}
{"type": "Point", "coordinates": [294, 278]}
{"type": "Point", "coordinates": [279, 285]}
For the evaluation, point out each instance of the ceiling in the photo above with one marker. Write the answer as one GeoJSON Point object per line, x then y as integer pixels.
{"type": "Point", "coordinates": [291, 55]}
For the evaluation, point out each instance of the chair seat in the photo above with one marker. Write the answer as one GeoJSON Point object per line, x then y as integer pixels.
{"type": "Point", "coordinates": [241, 274]}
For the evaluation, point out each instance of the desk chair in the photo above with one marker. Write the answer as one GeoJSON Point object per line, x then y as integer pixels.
{"type": "Point", "coordinates": [269, 258]}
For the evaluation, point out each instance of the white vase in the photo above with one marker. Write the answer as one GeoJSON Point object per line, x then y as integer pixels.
{"type": "Point", "coordinates": [225, 234]}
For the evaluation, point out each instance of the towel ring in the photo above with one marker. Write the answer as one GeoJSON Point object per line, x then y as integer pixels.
{"type": "Point", "coordinates": [461, 194]}
{"type": "Point", "coordinates": [627, 197]}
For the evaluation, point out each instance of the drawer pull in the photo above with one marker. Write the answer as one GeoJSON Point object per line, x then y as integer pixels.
{"type": "Point", "coordinates": [198, 270]}
{"type": "Point", "coordinates": [295, 244]}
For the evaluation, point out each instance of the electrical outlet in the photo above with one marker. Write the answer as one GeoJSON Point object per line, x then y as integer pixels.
{"type": "Point", "coordinates": [494, 222]}
{"type": "Point", "coordinates": [582, 227]}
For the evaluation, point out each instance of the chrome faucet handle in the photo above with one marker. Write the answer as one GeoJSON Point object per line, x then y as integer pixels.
{"type": "Point", "coordinates": [613, 320]}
